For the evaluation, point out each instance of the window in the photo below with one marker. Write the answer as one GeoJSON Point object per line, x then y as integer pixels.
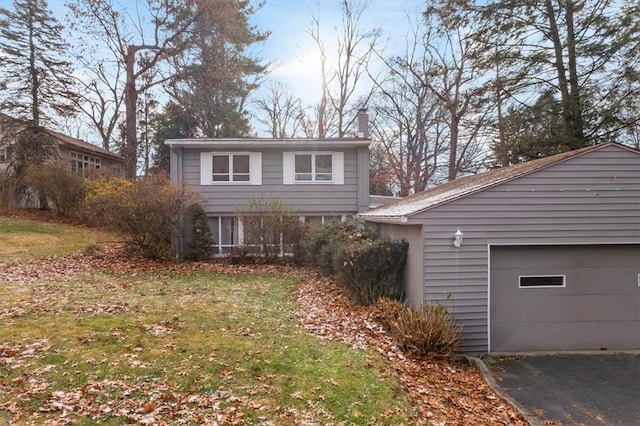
{"type": "Point", "coordinates": [226, 233]}
{"type": "Point", "coordinates": [537, 281]}
{"type": "Point", "coordinates": [5, 154]}
{"type": "Point", "coordinates": [319, 220]}
{"type": "Point", "coordinates": [84, 165]}
{"type": "Point", "coordinates": [221, 168]}
{"type": "Point", "coordinates": [230, 168]}
{"type": "Point", "coordinates": [313, 167]}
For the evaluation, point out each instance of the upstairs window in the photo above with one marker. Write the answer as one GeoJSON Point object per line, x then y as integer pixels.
{"type": "Point", "coordinates": [230, 168]}
{"type": "Point", "coordinates": [220, 168]}
{"type": "Point", "coordinates": [313, 167]}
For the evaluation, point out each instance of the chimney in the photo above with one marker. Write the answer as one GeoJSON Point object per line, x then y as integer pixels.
{"type": "Point", "coordinates": [363, 123]}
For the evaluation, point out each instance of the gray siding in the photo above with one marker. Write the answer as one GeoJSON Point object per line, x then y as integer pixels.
{"type": "Point", "coordinates": [413, 271]}
{"type": "Point", "coordinates": [305, 199]}
{"type": "Point", "coordinates": [589, 199]}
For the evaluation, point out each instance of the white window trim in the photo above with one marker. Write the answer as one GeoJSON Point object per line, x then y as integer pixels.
{"type": "Point", "coordinates": [206, 168]}
{"type": "Point", "coordinates": [289, 168]}
{"type": "Point", "coordinates": [564, 281]}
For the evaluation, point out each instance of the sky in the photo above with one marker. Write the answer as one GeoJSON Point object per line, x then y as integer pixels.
{"type": "Point", "coordinates": [291, 50]}
{"type": "Point", "coordinates": [294, 52]}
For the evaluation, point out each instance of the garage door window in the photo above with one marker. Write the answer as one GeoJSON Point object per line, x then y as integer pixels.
{"type": "Point", "coordinates": [541, 281]}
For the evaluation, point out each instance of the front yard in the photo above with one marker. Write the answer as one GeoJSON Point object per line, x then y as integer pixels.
{"type": "Point", "coordinates": [98, 336]}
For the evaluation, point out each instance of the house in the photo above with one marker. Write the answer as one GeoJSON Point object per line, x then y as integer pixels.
{"type": "Point", "coordinates": [320, 179]}
{"type": "Point", "coordinates": [539, 256]}
{"type": "Point", "coordinates": [84, 158]}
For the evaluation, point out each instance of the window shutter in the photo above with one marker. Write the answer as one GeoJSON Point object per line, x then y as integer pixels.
{"type": "Point", "coordinates": [206, 169]}
{"type": "Point", "coordinates": [255, 168]}
{"type": "Point", "coordinates": [288, 161]}
{"type": "Point", "coordinates": [338, 168]}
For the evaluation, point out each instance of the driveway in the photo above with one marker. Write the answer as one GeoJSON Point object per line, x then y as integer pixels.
{"type": "Point", "coordinates": [575, 389]}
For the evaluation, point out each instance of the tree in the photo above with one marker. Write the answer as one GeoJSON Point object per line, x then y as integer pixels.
{"type": "Point", "coordinates": [531, 132]}
{"type": "Point", "coordinates": [35, 76]}
{"type": "Point", "coordinates": [173, 122]}
{"type": "Point", "coordinates": [37, 87]}
{"type": "Point", "coordinates": [280, 111]}
{"type": "Point", "coordinates": [339, 100]}
{"type": "Point", "coordinates": [156, 41]}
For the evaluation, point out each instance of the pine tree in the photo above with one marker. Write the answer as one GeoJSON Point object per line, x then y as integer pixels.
{"type": "Point", "coordinates": [36, 78]}
{"type": "Point", "coordinates": [36, 85]}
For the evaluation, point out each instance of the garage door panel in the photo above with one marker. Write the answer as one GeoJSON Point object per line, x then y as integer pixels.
{"type": "Point", "coordinates": [598, 306]}
{"type": "Point", "coordinates": [560, 336]}
{"type": "Point", "coordinates": [568, 308]}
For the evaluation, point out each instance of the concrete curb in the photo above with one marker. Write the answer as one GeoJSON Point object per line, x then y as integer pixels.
{"type": "Point", "coordinates": [491, 382]}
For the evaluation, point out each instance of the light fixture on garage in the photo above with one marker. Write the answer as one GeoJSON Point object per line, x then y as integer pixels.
{"type": "Point", "coordinates": [457, 238]}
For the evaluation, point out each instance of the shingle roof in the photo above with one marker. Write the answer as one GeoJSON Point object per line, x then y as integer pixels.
{"type": "Point", "coordinates": [67, 140]}
{"type": "Point", "coordinates": [80, 144]}
{"type": "Point", "coordinates": [467, 185]}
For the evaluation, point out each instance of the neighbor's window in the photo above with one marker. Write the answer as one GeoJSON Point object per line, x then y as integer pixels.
{"type": "Point", "coordinates": [5, 154]}
{"type": "Point", "coordinates": [313, 168]}
{"type": "Point", "coordinates": [84, 165]}
{"type": "Point", "coordinates": [537, 281]}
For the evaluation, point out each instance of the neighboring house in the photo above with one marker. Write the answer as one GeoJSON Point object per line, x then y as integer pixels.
{"type": "Point", "coordinates": [548, 256]}
{"type": "Point", "coordinates": [83, 158]}
{"type": "Point", "coordinates": [320, 179]}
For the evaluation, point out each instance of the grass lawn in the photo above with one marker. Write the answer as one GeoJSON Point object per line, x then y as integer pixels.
{"type": "Point", "coordinates": [21, 238]}
{"type": "Point", "coordinates": [170, 346]}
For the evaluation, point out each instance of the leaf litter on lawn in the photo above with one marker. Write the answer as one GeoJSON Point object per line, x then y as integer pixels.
{"type": "Point", "coordinates": [441, 391]}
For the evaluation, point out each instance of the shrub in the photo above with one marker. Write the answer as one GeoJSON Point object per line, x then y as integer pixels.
{"type": "Point", "coordinates": [273, 226]}
{"type": "Point", "coordinates": [55, 183]}
{"type": "Point", "coordinates": [427, 331]}
{"type": "Point", "coordinates": [201, 240]}
{"type": "Point", "coordinates": [241, 256]}
{"type": "Point", "coordinates": [323, 242]}
{"type": "Point", "coordinates": [371, 269]}
{"type": "Point", "coordinates": [145, 212]}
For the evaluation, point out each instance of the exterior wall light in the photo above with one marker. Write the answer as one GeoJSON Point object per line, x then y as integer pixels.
{"type": "Point", "coordinates": [457, 238]}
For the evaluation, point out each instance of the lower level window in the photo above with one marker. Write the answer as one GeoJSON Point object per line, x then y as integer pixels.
{"type": "Point", "coordinates": [533, 281]}
{"type": "Point", "coordinates": [226, 233]}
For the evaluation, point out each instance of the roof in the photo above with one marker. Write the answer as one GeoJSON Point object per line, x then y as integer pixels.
{"type": "Point", "coordinates": [68, 140]}
{"type": "Point", "coordinates": [86, 146]}
{"type": "Point", "coordinates": [269, 143]}
{"type": "Point", "coordinates": [400, 211]}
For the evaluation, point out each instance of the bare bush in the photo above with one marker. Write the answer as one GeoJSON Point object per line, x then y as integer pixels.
{"type": "Point", "coordinates": [58, 185]}
{"type": "Point", "coordinates": [427, 331]}
{"type": "Point", "coordinates": [145, 212]}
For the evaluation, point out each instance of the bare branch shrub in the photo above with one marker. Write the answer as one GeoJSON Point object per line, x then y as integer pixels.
{"type": "Point", "coordinates": [145, 212]}
{"type": "Point", "coordinates": [427, 331]}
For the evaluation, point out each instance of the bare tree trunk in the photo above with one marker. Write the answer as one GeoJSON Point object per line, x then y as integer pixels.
{"type": "Point", "coordinates": [130, 101]}
{"type": "Point", "coordinates": [577, 126]}
{"type": "Point", "coordinates": [563, 85]}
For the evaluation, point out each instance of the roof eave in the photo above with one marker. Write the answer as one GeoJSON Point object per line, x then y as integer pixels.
{"type": "Point", "coordinates": [401, 220]}
{"type": "Point", "coordinates": [267, 143]}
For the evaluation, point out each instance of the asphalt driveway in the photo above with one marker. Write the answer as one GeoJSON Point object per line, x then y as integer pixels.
{"type": "Point", "coordinates": [575, 389]}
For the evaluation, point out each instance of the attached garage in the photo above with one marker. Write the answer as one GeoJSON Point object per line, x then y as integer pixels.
{"type": "Point", "coordinates": [539, 256]}
{"type": "Point", "coordinates": [564, 297]}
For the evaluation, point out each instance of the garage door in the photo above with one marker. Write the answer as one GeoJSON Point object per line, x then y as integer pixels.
{"type": "Point", "coordinates": [564, 298]}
